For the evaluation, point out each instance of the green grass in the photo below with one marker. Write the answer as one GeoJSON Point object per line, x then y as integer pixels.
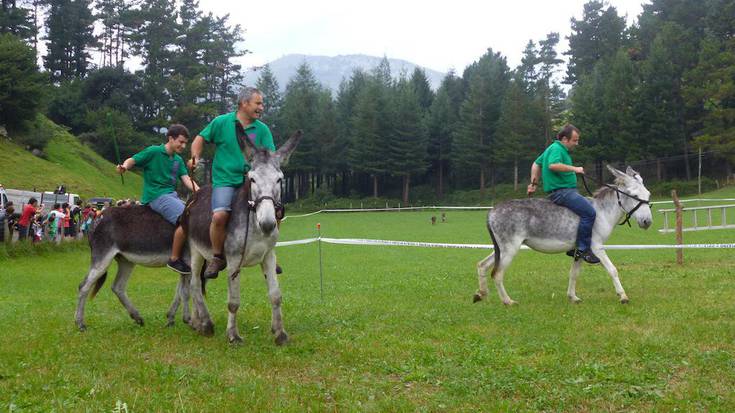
{"type": "Point", "coordinates": [67, 162]}
{"type": "Point", "coordinates": [396, 330]}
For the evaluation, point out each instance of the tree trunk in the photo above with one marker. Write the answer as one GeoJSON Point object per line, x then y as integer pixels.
{"type": "Point", "coordinates": [515, 175]}
{"type": "Point", "coordinates": [686, 162]}
{"type": "Point", "coordinates": [375, 186]}
{"type": "Point", "coordinates": [659, 175]}
{"type": "Point", "coordinates": [406, 183]}
{"type": "Point", "coordinates": [440, 181]}
{"type": "Point", "coordinates": [482, 183]}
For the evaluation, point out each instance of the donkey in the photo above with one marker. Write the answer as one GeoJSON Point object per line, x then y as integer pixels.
{"type": "Point", "coordinates": [251, 237]}
{"type": "Point", "coordinates": [130, 235]}
{"type": "Point", "coordinates": [549, 228]}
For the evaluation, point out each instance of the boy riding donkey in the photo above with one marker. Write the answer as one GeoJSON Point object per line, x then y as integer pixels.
{"type": "Point", "coordinates": [162, 169]}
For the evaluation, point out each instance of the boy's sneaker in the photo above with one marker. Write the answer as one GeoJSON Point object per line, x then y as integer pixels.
{"type": "Point", "coordinates": [179, 266]}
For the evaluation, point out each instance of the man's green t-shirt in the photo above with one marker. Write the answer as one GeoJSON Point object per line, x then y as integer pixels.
{"type": "Point", "coordinates": [556, 153]}
{"type": "Point", "coordinates": [229, 164]}
{"type": "Point", "coordinates": [161, 171]}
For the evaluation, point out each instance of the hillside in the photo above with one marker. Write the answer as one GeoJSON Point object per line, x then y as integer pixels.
{"type": "Point", "coordinates": [329, 71]}
{"type": "Point", "coordinates": [67, 162]}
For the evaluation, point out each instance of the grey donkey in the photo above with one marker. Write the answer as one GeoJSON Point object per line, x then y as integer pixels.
{"type": "Point", "coordinates": [130, 235]}
{"type": "Point", "coordinates": [252, 233]}
{"type": "Point", "coordinates": [550, 228]}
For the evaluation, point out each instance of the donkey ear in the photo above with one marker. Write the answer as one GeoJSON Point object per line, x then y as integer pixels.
{"type": "Point", "coordinates": [616, 173]}
{"type": "Point", "coordinates": [284, 152]}
{"type": "Point", "coordinates": [248, 147]}
{"type": "Point", "coordinates": [631, 172]}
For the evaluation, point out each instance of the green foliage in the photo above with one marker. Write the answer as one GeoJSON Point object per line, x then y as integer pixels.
{"type": "Point", "coordinates": [70, 27]}
{"type": "Point", "coordinates": [21, 85]}
{"type": "Point", "coordinates": [598, 35]}
{"type": "Point", "coordinates": [16, 20]}
{"type": "Point", "coordinates": [66, 161]}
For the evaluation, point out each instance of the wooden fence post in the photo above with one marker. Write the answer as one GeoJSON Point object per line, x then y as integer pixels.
{"type": "Point", "coordinates": [679, 237]}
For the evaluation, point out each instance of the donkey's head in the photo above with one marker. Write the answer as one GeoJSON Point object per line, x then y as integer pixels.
{"type": "Point", "coordinates": [266, 179]}
{"type": "Point", "coordinates": [633, 197]}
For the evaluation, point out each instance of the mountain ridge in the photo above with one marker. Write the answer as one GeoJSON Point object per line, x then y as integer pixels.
{"type": "Point", "coordinates": [331, 70]}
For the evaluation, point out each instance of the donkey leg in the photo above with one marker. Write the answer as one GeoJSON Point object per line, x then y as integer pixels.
{"type": "Point", "coordinates": [233, 303]}
{"type": "Point", "coordinates": [602, 255]}
{"type": "Point", "coordinates": [186, 311]}
{"type": "Point", "coordinates": [482, 269]}
{"type": "Point", "coordinates": [97, 269]}
{"type": "Point", "coordinates": [274, 293]}
{"type": "Point", "coordinates": [572, 289]}
{"type": "Point", "coordinates": [119, 286]}
{"type": "Point", "coordinates": [200, 319]}
{"type": "Point", "coordinates": [171, 313]}
{"type": "Point", "coordinates": [499, 272]}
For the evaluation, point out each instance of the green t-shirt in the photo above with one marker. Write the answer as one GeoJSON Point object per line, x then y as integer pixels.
{"type": "Point", "coordinates": [229, 164]}
{"type": "Point", "coordinates": [161, 171]}
{"type": "Point", "coordinates": [556, 153]}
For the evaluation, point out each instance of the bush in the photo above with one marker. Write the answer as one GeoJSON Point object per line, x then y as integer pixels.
{"type": "Point", "coordinates": [683, 188]}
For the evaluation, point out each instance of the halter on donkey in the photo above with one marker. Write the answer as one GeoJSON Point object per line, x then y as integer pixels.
{"type": "Point", "coordinates": [549, 228]}
{"type": "Point", "coordinates": [251, 237]}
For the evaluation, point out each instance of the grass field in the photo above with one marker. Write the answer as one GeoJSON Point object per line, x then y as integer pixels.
{"type": "Point", "coordinates": [396, 330]}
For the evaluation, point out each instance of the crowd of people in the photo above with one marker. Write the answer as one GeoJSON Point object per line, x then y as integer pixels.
{"type": "Point", "coordinates": [62, 221]}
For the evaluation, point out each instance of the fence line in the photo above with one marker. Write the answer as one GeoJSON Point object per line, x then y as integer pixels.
{"type": "Point", "coordinates": [379, 242]}
{"type": "Point", "coordinates": [467, 208]}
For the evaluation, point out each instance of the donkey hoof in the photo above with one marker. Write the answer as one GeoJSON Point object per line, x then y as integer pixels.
{"type": "Point", "coordinates": [281, 338]}
{"type": "Point", "coordinates": [170, 323]}
{"type": "Point", "coordinates": [624, 300]}
{"type": "Point", "coordinates": [138, 321]}
{"type": "Point", "coordinates": [82, 328]}
{"type": "Point", "coordinates": [575, 300]}
{"type": "Point", "coordinates": [510, 302]}
{"type": "Point", "coordinates": [477, 297]}
{"type": "Point", "coordinates": [207, 329]}
{"type": "Point", "coordinates": [234, 338]}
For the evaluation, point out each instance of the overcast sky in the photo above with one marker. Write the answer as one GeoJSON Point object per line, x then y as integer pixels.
{"type": "Point", "coordinates": [437, 35]}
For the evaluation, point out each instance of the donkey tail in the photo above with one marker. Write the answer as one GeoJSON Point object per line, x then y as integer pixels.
{"type": "Point", "coordinates": [496, 247]}
{"type": "Point", "coordinates": [98, 284]}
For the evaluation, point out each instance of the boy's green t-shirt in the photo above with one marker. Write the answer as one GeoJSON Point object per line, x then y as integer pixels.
{"type": "Point", "coordinates": [556, 153]}
{"type": "Point", "coordinates": [229, 164]}
{"type": "Point", "coordinates": [161, 171]}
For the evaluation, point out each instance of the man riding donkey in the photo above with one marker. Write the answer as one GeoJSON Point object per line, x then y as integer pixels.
{"type": "Point", "coordinates": [228, 132]}
{"type": "Point", "coordinates": [162, 168]}
{"type": "Point", "coordinates": [555, 167]}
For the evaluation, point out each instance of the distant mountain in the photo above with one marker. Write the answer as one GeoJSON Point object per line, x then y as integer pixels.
{"type": "Point", "coordinates": [329, 71]}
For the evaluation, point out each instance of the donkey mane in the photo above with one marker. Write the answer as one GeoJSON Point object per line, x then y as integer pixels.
{"type": "Point", "coordinates": [605, 191]}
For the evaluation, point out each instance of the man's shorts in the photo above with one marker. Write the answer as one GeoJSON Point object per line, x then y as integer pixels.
{"type": "Point", "coordinates": [222, 198]}
{"type": "Point", "coordinates": [169, 206]}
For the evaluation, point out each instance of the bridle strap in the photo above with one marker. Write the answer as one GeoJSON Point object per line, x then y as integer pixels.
{"type": "Point", "coordinates": [628, 214]}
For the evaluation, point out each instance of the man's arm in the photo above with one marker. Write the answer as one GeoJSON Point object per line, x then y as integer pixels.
{"type": "Point", "coordinates": [196, 151]}
{"type": "Point", "coordinates": [560, 167]}
{"type": "Point", "coordinates": [535, 176]}
{"type": "Point", "coordinates": [126, 166]}
{"type": "Point", "coordinates": [189, 183]}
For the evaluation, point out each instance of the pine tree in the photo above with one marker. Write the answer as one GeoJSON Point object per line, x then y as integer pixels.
{"type": "Point", "coordinates": [442, 123]}
{"type": "Point", "coordinates": [273, 102]}
{"type": "Point", "coordinates": [21, 84]}
{"type": "Point", "coordinates": [70, 34]}
{"type": "Point", "coordinates": [599, 34]}
{"type": "Point", "coordinates": [407, 149]}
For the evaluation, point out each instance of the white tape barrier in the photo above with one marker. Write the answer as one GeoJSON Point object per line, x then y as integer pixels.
{"type": "Point", "coordinates": [694, 200]}
{"type": "Point", "coordinates": [358, 241]}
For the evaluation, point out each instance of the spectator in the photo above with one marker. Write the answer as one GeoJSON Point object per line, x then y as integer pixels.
{"type": "Point", "coordinates": [67, 219]}
{"type": "Point", "coordinates": [25, 218]}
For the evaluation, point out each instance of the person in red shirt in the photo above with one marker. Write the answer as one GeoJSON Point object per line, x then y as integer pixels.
{"type": "Point", "coordinates": [25, 218]}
